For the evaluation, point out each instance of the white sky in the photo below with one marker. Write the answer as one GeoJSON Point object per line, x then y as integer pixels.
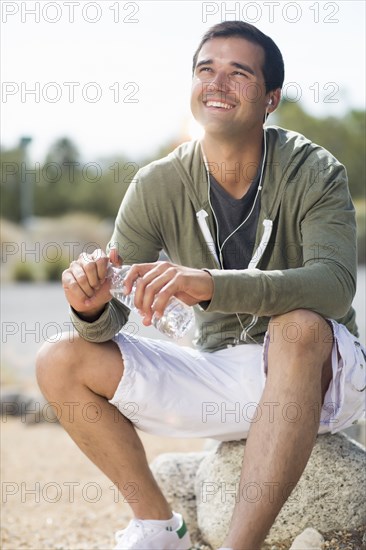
{"type": "Point", "coordinates": [151, 45]}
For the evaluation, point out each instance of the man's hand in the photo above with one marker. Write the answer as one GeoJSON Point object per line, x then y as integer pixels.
{"type": "Point", "coordinates": [85, 285]}
{"type": "Point", "coordinates": [157, 282]}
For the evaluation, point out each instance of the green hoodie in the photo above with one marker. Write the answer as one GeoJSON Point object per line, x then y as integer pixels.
{"type": "Point", "coordinates": [304, 254]}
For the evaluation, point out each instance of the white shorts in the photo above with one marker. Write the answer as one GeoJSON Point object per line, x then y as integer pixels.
{"type": "Point", "coordinates": [171, 390]}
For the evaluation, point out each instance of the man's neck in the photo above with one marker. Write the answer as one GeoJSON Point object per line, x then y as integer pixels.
{"type": "Point", "coordinates": [233, 163]}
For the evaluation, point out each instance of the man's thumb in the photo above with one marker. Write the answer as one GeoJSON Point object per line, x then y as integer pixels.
{"type": "Point", "coordinates": [114, 257]}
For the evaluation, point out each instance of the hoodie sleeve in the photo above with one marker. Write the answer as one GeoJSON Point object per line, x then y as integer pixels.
{"type": "Point", "coordinates": [137, 240]}
{"type": "Point", "coordinates": [136, 232]}
{"type": "Point", "coordinates": [326, 280]}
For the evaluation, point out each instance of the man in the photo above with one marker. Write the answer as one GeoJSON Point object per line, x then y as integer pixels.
{"type": "Point", "coordinates": [259, 229]}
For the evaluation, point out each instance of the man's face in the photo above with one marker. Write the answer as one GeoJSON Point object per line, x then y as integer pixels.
{"type": "Point", "coordinates": [228, 90]}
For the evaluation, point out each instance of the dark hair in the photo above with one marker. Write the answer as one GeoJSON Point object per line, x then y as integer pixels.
{"type": "Point", "coordinates": [273, 68]}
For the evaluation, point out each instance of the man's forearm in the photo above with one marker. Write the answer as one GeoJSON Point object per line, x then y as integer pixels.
{"type": "Point", "coordinates": [267, 293]}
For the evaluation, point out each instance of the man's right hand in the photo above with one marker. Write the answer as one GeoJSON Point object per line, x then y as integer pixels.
{"type": "Point", "coordinates": [85, 284]}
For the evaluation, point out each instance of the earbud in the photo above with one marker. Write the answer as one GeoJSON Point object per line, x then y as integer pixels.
{"type": "Point", "coordinates": [269, 102]}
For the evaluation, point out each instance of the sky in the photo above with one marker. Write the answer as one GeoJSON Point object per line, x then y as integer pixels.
{"type": "Point", "coordinates": [115, 76]}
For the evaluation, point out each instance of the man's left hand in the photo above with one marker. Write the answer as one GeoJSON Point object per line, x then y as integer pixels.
{"type": "Point", "coordinates": [157, 282]}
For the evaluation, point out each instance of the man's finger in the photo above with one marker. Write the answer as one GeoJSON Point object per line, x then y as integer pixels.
{"type": "Point", "coordinates": [114, 257]}
{"type": "Point", "coordinates": [86, 277]}
{"type": "Point", "coordinates": [136, 271]}
{"type": "Point", "coordinates": [72, 288]}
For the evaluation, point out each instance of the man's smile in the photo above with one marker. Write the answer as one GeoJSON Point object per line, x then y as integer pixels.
{"type": "Point", "coordinates": [217, 104]}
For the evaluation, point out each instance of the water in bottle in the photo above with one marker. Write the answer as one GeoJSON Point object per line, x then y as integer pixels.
{"type": "Point", "coordinates": [177, 318]}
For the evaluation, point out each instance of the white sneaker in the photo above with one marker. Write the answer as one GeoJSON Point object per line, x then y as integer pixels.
{"type": "Point", "coordinates": [140, 535]}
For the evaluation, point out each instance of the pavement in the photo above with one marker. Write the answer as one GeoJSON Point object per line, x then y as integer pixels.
{"type": "Point", "coordinates": [32, 313]}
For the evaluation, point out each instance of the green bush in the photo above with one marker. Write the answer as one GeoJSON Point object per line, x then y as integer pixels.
{"type": "Point", "coordinates": [53, 270]}
{"type": "Point", "coordinates": [24, 272]}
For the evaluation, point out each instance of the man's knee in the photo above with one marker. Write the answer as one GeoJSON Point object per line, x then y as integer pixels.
{"type": "Point", "coordinates": [55, 361]}
{"type": "Point", "coordinates": [68, 365]}
{"type": "Point", "coordinates": [301, 330]}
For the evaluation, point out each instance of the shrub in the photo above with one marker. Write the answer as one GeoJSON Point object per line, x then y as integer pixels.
{"type": "Point", "coordinates": [24, 272]}
{"type": "Point", "coordinates": [53, 270]}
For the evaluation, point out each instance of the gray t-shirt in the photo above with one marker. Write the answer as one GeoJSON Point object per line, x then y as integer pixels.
{"type": "Point", "coordinates": [230, 213]}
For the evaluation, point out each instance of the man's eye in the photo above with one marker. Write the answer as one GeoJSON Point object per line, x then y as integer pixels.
{"type": "Point", "coordinates": [239, 73]}
{"type": "Point", "coordinates": [205, 69]}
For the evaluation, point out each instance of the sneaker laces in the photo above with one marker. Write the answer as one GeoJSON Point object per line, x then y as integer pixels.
{"type": "Point", "coordinates": [135, 531]}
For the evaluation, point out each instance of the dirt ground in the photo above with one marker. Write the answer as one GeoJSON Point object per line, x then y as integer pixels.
{"type": "Point", "coordinates": [54, 498]}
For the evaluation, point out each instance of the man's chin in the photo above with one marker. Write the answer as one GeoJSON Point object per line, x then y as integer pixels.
{"type": "Point", "coordinates": [223, 132]}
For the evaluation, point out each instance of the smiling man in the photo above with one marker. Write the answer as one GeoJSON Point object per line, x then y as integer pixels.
{"type": "Point", "coordinates": [260, 233]}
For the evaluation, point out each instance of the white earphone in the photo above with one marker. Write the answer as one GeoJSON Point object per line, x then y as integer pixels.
{"type": "Point", "coordinates": [270, 102]}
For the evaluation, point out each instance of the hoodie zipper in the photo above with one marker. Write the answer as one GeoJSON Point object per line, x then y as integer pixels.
{"type": "Point", "coordinates": [205, 230]}
{"type": "Point", "coordinates": [257, 255]}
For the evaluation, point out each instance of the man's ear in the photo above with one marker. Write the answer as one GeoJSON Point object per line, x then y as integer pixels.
{"type": "Point", "coordinates": [273, 101]}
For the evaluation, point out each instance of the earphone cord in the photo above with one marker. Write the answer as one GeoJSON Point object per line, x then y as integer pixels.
{"type": "Point", "coordinates": [220, 247]}
{"type": "Point", "coordinates": [215, 218]}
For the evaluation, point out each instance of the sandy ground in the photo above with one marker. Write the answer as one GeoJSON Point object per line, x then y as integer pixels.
{"type": "Point", "coordinates": [53, 497]}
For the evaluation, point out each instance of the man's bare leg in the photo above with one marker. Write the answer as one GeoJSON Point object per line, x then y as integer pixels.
{"type": "Point", "coordinates": [74, 374]}
{"type": "Point", "coordinates": [277, 450]}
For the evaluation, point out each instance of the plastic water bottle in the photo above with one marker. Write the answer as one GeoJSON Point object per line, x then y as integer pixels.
{"type": "Point", "coordinates": [177, 318]}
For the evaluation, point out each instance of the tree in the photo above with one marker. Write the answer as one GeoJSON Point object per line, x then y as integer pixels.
{"type": "Point", "coordinates": [63, 151]}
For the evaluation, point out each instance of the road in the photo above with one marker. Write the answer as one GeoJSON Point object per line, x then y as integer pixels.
{"type": "Point", "coordinates": [32, 313]}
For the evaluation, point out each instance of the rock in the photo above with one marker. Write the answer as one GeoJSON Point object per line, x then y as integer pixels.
{"type": "Point", "coordinates": [357, 431]}
{"type": "Point", "coordinates": [28, 408]}
{"type": "Point", "coordinates": [216, 487]}
{"type": "Point", "coordinates": [328, 496]}
{"type": "Point", "coordinates": [211, 445]}
{"type": "Point", "coordinates": [309, 539]}
{"type": "Point", "coordinates": [175, 474]}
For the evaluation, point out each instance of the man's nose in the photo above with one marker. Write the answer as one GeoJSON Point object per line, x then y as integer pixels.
{"type": "Point", "coordinates": [221, 81]}
{"type": "Point", "coordinates": [221, 84]}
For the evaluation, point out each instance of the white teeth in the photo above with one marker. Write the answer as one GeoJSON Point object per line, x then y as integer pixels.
{"type": "Point", "coordinates": [219, 104]}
